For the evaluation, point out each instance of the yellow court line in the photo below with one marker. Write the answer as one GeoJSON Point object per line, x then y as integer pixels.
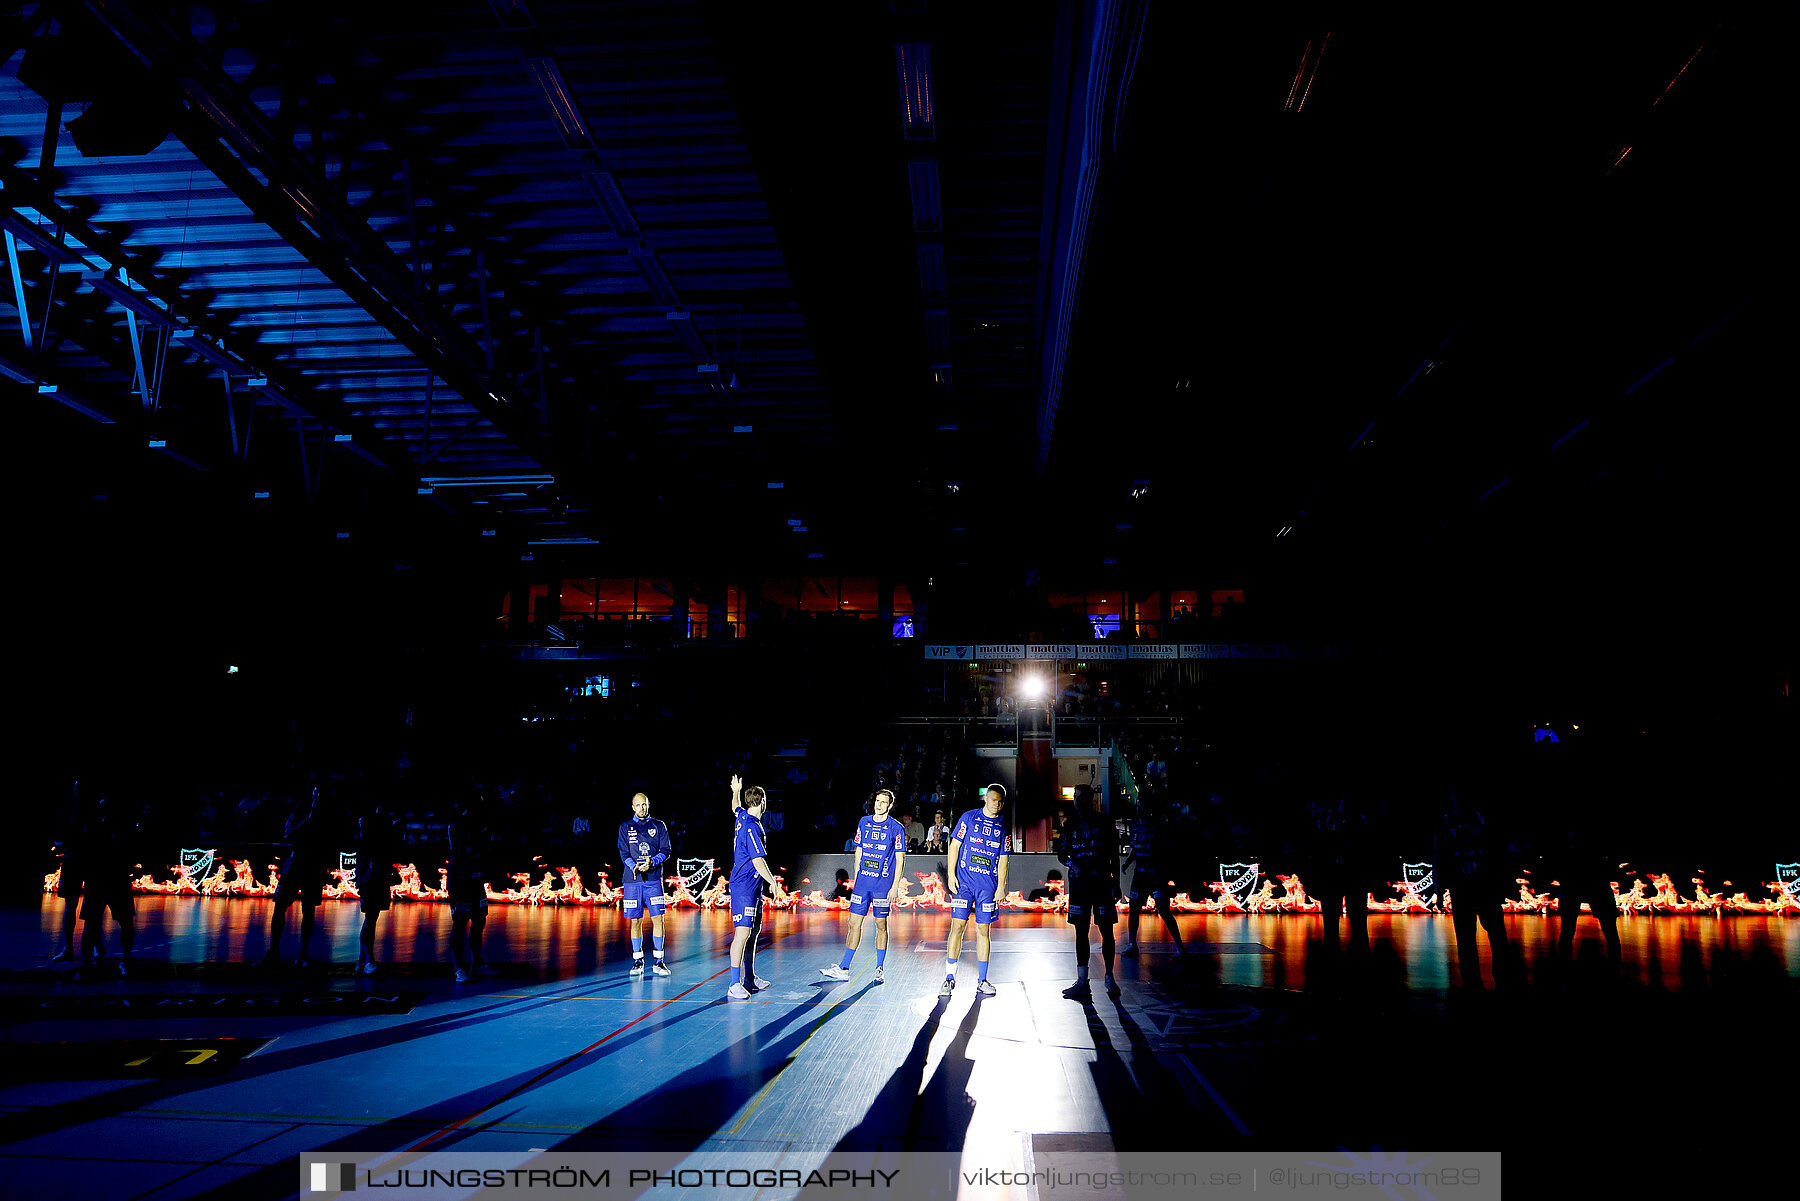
{"type": "Point", "coordinates": [762, 1092]}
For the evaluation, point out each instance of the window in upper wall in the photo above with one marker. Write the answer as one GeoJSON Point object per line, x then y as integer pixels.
{"type": "Point", "coordinates": [859, 595]}
{"type": "Point", "coordinates": [615, 597]}
{"type": "Point", "coordinates": [578, 598]}
{"type": "Point", "coordinates": [819, 594]}
{"type": "Point", "coordinates": [781, 591]}
{"type": "Point", "coordinates": [655, 598]}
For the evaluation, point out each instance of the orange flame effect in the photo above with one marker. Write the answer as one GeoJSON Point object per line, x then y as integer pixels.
{"type": "Point", "coordinates": [235, 878]}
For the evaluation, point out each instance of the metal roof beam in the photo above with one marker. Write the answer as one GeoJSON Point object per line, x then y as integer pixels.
{"type": "Point", "coordinates": [232, 138]}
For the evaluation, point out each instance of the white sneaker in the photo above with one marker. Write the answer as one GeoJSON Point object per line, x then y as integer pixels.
{"type": "Point", "coordinates": [637, 967]}
{"type": "Point", "coordinates": [835, 972]}
{"type": "Point", "coordinates": [761, 984]}
{"type": "Point", "coordinates": [880, 976]}
{"type": "Point", "coordinates": [985, 988]}
{"type": "Point", "coordinates": [661, 968]}
{"type": "Point", "coordinates": [948, 987]}
{"type": "Point", "coordinates": [738, 992]}
{"type": "Point", "coordinates": [367, 967]}
{"type": "Point", "coordinates": [462, 977]}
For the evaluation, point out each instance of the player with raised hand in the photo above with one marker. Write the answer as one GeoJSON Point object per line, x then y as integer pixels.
{"type": "Point", "coordinates": [643, 844]}
{"type": "Point", "coordinates": [749, 872]}
{"type": "Point", "coordinates": [880, 856]}
{"type": "Point", "coordinates": [977, 872]}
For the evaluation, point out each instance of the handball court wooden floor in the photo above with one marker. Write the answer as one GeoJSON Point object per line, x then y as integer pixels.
{"type": "Point", "coordinates": [1253, 1046]}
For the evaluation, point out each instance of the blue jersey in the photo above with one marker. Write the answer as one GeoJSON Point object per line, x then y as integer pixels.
{"type": "Point", "coordinates": [983, 840]}
{"type": "Point", "coordinates": [1143, 841]}
{"type": "Point", "coordinates": [746, 846]}
{"type": "Point", "coordinates": [638, 839]}
{"type": "Point", "coordinates": [1090, 848]}
{"type": "Point", "coordinates": [879, 839]}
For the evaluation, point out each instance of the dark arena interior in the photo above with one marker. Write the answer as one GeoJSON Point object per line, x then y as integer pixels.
{"type": "Point", "coordinates": [491, 474]}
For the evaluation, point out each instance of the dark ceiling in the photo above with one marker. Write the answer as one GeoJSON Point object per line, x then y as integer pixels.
{"type": "Point", "coordinates": [1136, 288]}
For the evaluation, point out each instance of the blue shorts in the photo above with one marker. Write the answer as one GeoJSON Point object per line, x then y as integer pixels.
{"type": "Point", "coordinates": [869, 892]}
{"type": "Point", "coordinates": [975, 900]}
{"type": "Point", "coordinates": [1145, 883]}
{"type": "Point", "coordinates": [746, 901]}
{"type": "Point", "coordinates": [638, 897]}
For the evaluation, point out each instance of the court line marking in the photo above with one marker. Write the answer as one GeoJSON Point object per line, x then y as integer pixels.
{"type": "Point", "coordinates": [556, 1067]}
{"type": "Point", "coordinates": [1214, 1094]}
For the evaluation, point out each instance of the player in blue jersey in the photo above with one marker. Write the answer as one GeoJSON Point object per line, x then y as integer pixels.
{"type": "Point", "coordinates": [880, 858]}
{"type": "Point", "coordinates": [1091, 849]}
{"type": "Point", "coordinates": [1150, 846]}
{"type": "Point", "coordinates": [977, 884]}
{"type": "Point", "coordinates": [643, 844]}
{"type": "Point", "coordinates": [749, 874]}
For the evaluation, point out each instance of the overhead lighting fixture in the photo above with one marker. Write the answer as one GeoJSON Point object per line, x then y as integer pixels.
{"type": "Point", "coordinates": [553, 89]}
{"type": "Point", "coordinates": [573, 540]}
{"type": "Point", "coordinates": [913, 62]}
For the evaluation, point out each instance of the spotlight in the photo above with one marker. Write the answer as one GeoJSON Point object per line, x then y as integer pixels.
{"type": "Point", "coordinates": [1034, 688]}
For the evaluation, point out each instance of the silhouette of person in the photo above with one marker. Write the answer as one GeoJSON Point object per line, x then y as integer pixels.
{"type": "Point", "coordinates": [470, 843]}
{"type": "Point", "coordinates": [375, 850]}
{"type": "Point", "coordinates": [1585, 872]}
{"type": "Point", "coordinates": [303, 874]}
{"type": "Point", "coordinates": [1092, 855]}
{"type": "Point", "coordinates": [74, 865]}
{"type": "Point", "coordinates": [1469, 867]}
{"type": "Point", "coordinates": [110, 858]}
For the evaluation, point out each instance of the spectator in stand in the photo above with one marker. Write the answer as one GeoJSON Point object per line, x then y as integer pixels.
{"type": "Point", "coordinates": [1156, 772]}
{"type": "Point", "coordinates": [915, 833]}
{"type": "Point", "coordinates": [937, 839]}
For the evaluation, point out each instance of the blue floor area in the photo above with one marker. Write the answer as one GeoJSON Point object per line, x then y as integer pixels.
{"type": "Point", "coordinates": [567, 1050]}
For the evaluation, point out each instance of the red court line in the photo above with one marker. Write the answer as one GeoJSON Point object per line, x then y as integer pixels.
{"type": "Point", "coordinates": [557, 1067]}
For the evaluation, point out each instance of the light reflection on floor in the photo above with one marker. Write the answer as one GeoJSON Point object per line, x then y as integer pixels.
{"type": "Point", "coordinates": [1659, 951]}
